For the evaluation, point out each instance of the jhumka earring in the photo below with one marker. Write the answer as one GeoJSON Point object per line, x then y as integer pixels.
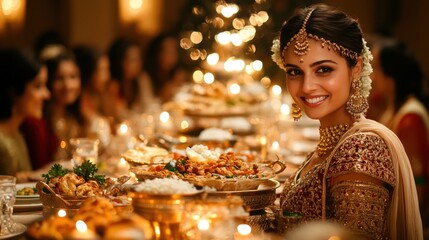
{"type": "Point", "coordinates": [296, 112]}
{"type": "Point", "coordinates": [357, 104]}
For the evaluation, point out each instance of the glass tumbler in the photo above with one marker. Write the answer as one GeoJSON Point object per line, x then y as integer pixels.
{"type": "Point", "coordinates": [7, 200]}
{"type": "Point", "coordinates": [84, 149]}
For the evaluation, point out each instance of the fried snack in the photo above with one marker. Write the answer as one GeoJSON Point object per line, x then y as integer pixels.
{"type": "Point", "coordinates": [146, 155]}
{"type": "Point", "coordinates": [54, 227]}
{"type": "Point", "coordinates": [67, 184]}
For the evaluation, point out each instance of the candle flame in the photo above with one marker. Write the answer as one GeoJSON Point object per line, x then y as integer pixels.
{"type": "Point", "coordinates": [62, 213]}
{"type": "Point", "coordinates": [123, 128]}
{"type": "Point", "coordinates": [164, 117]}
{"type": "Point", "coordinates": [203, 225]}
{"type": "Point", "coordinates": [244, 229]}
{"type": "Point", "coordinates": [81, 226]}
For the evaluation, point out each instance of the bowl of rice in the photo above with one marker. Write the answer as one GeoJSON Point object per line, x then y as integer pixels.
{"type": "Point", "coordinates": [163, 199]}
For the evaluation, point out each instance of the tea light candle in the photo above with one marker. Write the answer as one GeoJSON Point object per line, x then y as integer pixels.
{"type": "Point", "coordinates": [61, 213]}
{"type": "Point", "coordinates": [244, 232]}
{"type": "Point", "coordinates": [82, 232]}
{"type": "Point", "coordinates": [123, 129]}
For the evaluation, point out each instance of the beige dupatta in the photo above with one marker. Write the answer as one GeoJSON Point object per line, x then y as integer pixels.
{"type": "Point", "coordinates": [404, 215]}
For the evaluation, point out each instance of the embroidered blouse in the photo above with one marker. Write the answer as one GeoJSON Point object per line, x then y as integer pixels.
{"type": "Point", "coordinates": [361, 206]}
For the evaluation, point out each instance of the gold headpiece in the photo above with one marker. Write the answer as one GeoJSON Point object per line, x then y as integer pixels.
{"type": "Point", "coordinates": [302, 46]}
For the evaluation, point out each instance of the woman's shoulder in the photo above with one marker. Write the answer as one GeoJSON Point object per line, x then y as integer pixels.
{"type": "Point", "coordinates": [366, 153]}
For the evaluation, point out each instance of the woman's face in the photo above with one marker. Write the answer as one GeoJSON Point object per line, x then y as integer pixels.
{"type": "Point", "coordinates": [30, 104]}
{"type": "Point", "coordinates": [321, 83]}
{"type": "Point", "coordinates": [102, 74]}
{"type": "Point", "coordinates": [66, 85]}
{"type": "Point", "coordinates": [132, 63]}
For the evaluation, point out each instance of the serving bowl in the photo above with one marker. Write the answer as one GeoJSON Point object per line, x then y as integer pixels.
{"type": "Point", "coordinates": [253, 199]}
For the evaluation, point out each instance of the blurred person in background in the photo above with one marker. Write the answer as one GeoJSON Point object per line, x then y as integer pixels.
{"type": "Point", "coordinates": [48, 45]}
{"type": "Point", "coordinates": [95, 77]}
{"type": "Point", "coordinates": [22, 93]}
{"type": "Point", "coordinates": [62, 118]}
{"type": "Point", "coordinates": [129, 90]}
{"type": "Point", "coordinates": [163, 67]}
{"type": "Point", "coordinates": [399, 80]}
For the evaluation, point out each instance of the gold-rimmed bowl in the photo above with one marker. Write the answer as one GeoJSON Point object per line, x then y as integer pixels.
{"type": "Point", "coordinates": [253, 199]}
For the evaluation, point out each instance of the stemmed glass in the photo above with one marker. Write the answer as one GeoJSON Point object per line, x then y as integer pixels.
{"type": "Point", "coordinates": [7, 200]}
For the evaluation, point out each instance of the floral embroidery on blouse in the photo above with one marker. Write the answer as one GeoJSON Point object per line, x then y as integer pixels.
{"type": "Point", "coordinates": [364, 153]}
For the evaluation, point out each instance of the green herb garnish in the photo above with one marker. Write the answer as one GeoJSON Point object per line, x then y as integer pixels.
{"type": "Point", "coordinates": [87, 170]}
{"type": "Point", "coordinates": [171, 166]}
{"type": "Point", "coordinates": [56, 171]}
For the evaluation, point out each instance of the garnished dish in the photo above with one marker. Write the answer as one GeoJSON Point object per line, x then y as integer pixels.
{"type": "Point", "coordinates": [81, 182]}
{"type": "Point", "coordinates": [26, 194]}
{"type": "Point", "coordinates": [26, 191]}
{"type": "Point", "coordinates": [205, 167]}
{"type": "Point", "coordinates": [67, 189]}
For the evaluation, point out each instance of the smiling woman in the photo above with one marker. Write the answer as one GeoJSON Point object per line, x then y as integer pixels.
{"type": "Point", "coordinates": [359, 175]}
{"type": "Point", "coordinates": [22, 92]}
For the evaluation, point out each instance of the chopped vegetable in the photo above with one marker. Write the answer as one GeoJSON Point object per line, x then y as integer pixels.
{"type": "Point", "coordinates": [171, 166]}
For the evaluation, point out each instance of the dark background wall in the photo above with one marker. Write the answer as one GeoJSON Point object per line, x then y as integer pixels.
{"type": "Point", "coordinates": [97, 22]}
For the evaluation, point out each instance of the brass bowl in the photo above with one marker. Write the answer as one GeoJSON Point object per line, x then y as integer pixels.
{"type": "Point", "coordinates": [254, 199]}
{"type": "Point", "coordinates": [52, 201]}
{"type": "Point", "coordinates": [165, 208]}
{"type": "Point", "coordinates": [164, 211]}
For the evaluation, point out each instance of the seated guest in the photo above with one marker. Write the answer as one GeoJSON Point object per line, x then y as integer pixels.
{"type": "Point", "coordinates": [399, 78]}
{"type": "Point", "coordinates": [163, 67]}
{"type": "Point", "coordinates": [22, 92]}
{"type": "Point", "coordinates": [62, 119]}
{"type": "Point", "coordinates": [95, 75]}
{"type": "Point", "coordinates": [130, 90]}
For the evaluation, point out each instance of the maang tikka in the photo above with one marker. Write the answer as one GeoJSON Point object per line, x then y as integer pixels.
{"type": "Point", "coordinates": [302, 46]}
{"type": "Point", "coordinates": [301, 41]}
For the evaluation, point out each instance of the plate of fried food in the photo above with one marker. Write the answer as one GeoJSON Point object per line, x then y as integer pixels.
{"type": "Point", "coordinates": [204, 167]}
{"type": "Point", "coordinates": [67, 189]}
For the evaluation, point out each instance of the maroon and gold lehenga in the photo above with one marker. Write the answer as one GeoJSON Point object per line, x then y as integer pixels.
{"type": "Point", "coordinates": [384, 208]}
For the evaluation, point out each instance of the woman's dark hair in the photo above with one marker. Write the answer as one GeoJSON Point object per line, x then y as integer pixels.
{"type": "Point", "coordinates": [86, 59]}
{"type": "Point", "coordinates": [398, 62]}
{"type": "Point", "coordinates": [117, 52]}
{"type": "Point", "coordinates": [328, 23]}
{"type": "Point", "coordinates": [17, 69]}
{"type": "Point", "coordinates": [152, 60]}
{"type": "Point", "coordinates": [52, 65]}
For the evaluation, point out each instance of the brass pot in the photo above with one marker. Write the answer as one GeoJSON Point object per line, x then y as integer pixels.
{"type": "Point", "coordinates": [164, 211]}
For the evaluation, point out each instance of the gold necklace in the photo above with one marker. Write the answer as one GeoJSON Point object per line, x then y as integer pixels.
{"type": "Point", "coordinates": [329, 137]}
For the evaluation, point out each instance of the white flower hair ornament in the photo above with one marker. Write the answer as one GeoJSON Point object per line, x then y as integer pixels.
{"type": "Point", "coordinates": [364, 79]}
{"type": "Point", "coordinates": [277, 56]}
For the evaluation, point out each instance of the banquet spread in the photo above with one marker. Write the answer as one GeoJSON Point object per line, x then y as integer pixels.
{"type": "Point", "coordinates": [199, 161]}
